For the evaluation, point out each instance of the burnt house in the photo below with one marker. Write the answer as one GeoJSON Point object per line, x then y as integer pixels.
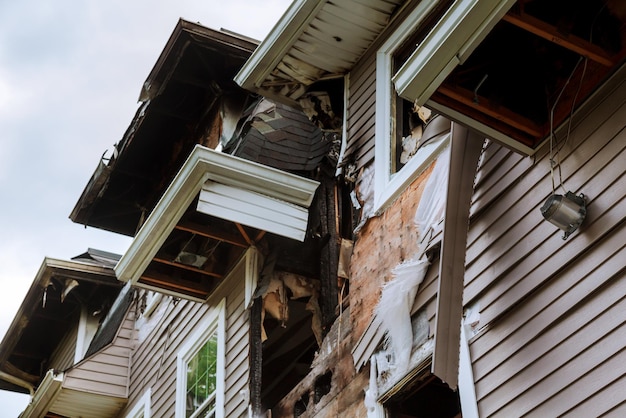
{"type": "Point", "coordinates": [69, 344]}
{"type": "Point", "coordinates": [386, 208]}
{"type": "Point", "coordinates": [466, 124]}
{"type": "Point", "coordinates": [232, 205]}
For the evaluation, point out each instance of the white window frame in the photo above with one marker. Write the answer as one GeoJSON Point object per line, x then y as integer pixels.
{"type": "Point", "coordinates": [143, 408]}
{"type": "Point", "coordinates": [387, 184]}
{"type": "Point", "coordinates": [215, 321]}
{"type": "Point", "coordinates": [453, 39]}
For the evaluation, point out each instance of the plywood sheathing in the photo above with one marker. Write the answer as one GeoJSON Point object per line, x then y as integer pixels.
{"type": "Point", "coordinates": [383, 242]}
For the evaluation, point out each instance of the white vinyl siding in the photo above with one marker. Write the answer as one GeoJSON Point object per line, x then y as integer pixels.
{"type": "Point", "coordinates": [253, 209]}
{"type": "Point", "coordinates": [155, 358]}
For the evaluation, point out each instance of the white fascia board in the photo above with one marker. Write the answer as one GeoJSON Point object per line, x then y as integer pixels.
{"type": "Point", "coordinates": [206, 164]}
{"type": "Point", "coordinates": [277, 43]}
{"type": "Point", "coordinates": [450, 42]}
{"type": "Point", "coordinates": [252, 176]}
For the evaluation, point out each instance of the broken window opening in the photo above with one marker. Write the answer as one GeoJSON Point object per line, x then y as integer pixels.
{"type": "Point", "coordinates": [424, 397]}
{"type": "Point", "coordinates": [408, 120]}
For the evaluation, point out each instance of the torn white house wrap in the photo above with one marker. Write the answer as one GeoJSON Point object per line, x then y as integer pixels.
{"type": "Point", "coordinates": [393, 311]}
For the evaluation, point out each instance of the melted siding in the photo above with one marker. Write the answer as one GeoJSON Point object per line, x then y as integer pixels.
{"type": "Point", "coordinates": [552, 311]}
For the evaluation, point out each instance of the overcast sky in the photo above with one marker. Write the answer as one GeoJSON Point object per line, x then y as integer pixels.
{"type": "Point", "coordinates": [70, 75]}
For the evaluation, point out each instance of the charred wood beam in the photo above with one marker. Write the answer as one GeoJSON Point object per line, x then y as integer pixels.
{"type": "Point", "coordinates": [256, 357]}
{"type": "Point", "coordinates": [329, 256]}
{"type": "Point", "coordinates": [550, 33]}
{"type": "Point", "coordinates": [9, 368]}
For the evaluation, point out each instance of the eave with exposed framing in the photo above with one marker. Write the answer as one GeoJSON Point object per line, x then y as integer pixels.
{"type": "Point", "coordinates": [252, 197]}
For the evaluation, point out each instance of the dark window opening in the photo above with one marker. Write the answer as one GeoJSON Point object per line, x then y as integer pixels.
{"type": "Point", "coordinates": [425, 398]}
{"type": "Point", "coordinates": [528, 75]}
{"type": "Point", "coordinates": [405, 118]}
{"type": "Point", "coordinates": [288, 353]}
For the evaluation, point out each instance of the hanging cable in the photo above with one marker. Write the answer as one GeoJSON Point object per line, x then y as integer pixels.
{"type": "Point", "coordinates": [552, 136]}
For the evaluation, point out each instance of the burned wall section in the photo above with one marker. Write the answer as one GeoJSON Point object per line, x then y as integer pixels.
{"type": "Point", "coordinates": [382, 243]}
{"type": "Point", "coordinates": [333, 386]}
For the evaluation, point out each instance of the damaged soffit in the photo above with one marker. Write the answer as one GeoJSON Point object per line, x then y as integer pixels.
{"type": "Point", "coordinates": [217, 206]}
{"type": "Point", "coordinates": [179, 102]}
{"type": "Point", "coordinates": [515, 77]}
{"type": "Point", "coordinates": [314, 41]}
{"type": "Point", "coordinates": [50, 309]}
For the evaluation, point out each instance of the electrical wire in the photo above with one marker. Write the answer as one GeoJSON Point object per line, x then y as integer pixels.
{"type": "Point", "coordinates": [552, 136]}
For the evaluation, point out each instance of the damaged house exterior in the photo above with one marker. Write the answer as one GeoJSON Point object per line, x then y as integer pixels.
{"type": "Point", "coordinates": [461, 119]}
{"type": "Point", "coordinates": [228, 197]}
{"type": "Point", "coordinates": [351, 217]}
{"type": "Point", "coordinates": [69, 345]}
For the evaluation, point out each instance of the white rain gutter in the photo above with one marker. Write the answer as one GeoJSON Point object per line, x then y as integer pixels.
{"type": "Point", "coordinates": [45, 396]}
{"type": "Point", "coordinates": [17, 381]}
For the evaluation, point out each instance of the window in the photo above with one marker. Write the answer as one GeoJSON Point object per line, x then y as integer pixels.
{"type": "Point", "coordinates": [200, 370]}
{"type": "Point", "coordinates": [142, 408]}
{"type": "Point", "coordinates": [401, 152]}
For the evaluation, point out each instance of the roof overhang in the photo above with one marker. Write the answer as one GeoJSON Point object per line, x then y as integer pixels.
{"type": "Point", "coordinates": [45, 314]}
{"type": "Point", "coordinates": [181, 99]}
{"type": "Point", "coordinates": [252, 197]}
{"type": "Point", "coordinates": [52, 397]}
{"type": "Point", "coordinates": [508, 69]}
{"type": "Point", "coordinates": [314, 41]}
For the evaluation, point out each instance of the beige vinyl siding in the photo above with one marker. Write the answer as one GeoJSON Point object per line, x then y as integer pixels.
{"type": "Point", "coordinates": [552, 311]}
{"type": "Point", "coordinates": [107, 371]}
{"type": "Point", "coordinates": [361, 112]}
{"type": "Point", "coordinates": [154, 360]}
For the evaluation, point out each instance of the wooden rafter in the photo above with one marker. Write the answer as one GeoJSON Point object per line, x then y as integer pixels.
{"type": "Point", "coordinates": [186, 267]}
{"type": "Point", "coordinates": [550, 33]}
{"type": "Point", "coordinates": [243, 233]}
{"type": "Point", "coordinates": [483, 105]}
{"type": "Point", "coordinates": [213, 233]}
{"type": "Point", "coordinates": [166, 282]}
{"type": "Point", "coordinates": [259, 236]}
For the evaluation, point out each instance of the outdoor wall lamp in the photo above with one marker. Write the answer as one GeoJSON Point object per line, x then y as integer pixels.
{"type": "Point", "coordinates": [566, 212]}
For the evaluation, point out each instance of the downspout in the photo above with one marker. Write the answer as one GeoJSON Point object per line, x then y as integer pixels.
{"type": "Point", "coordinates": [18, 382]}
{"type": "Point", "coordinates": [45, 395]}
